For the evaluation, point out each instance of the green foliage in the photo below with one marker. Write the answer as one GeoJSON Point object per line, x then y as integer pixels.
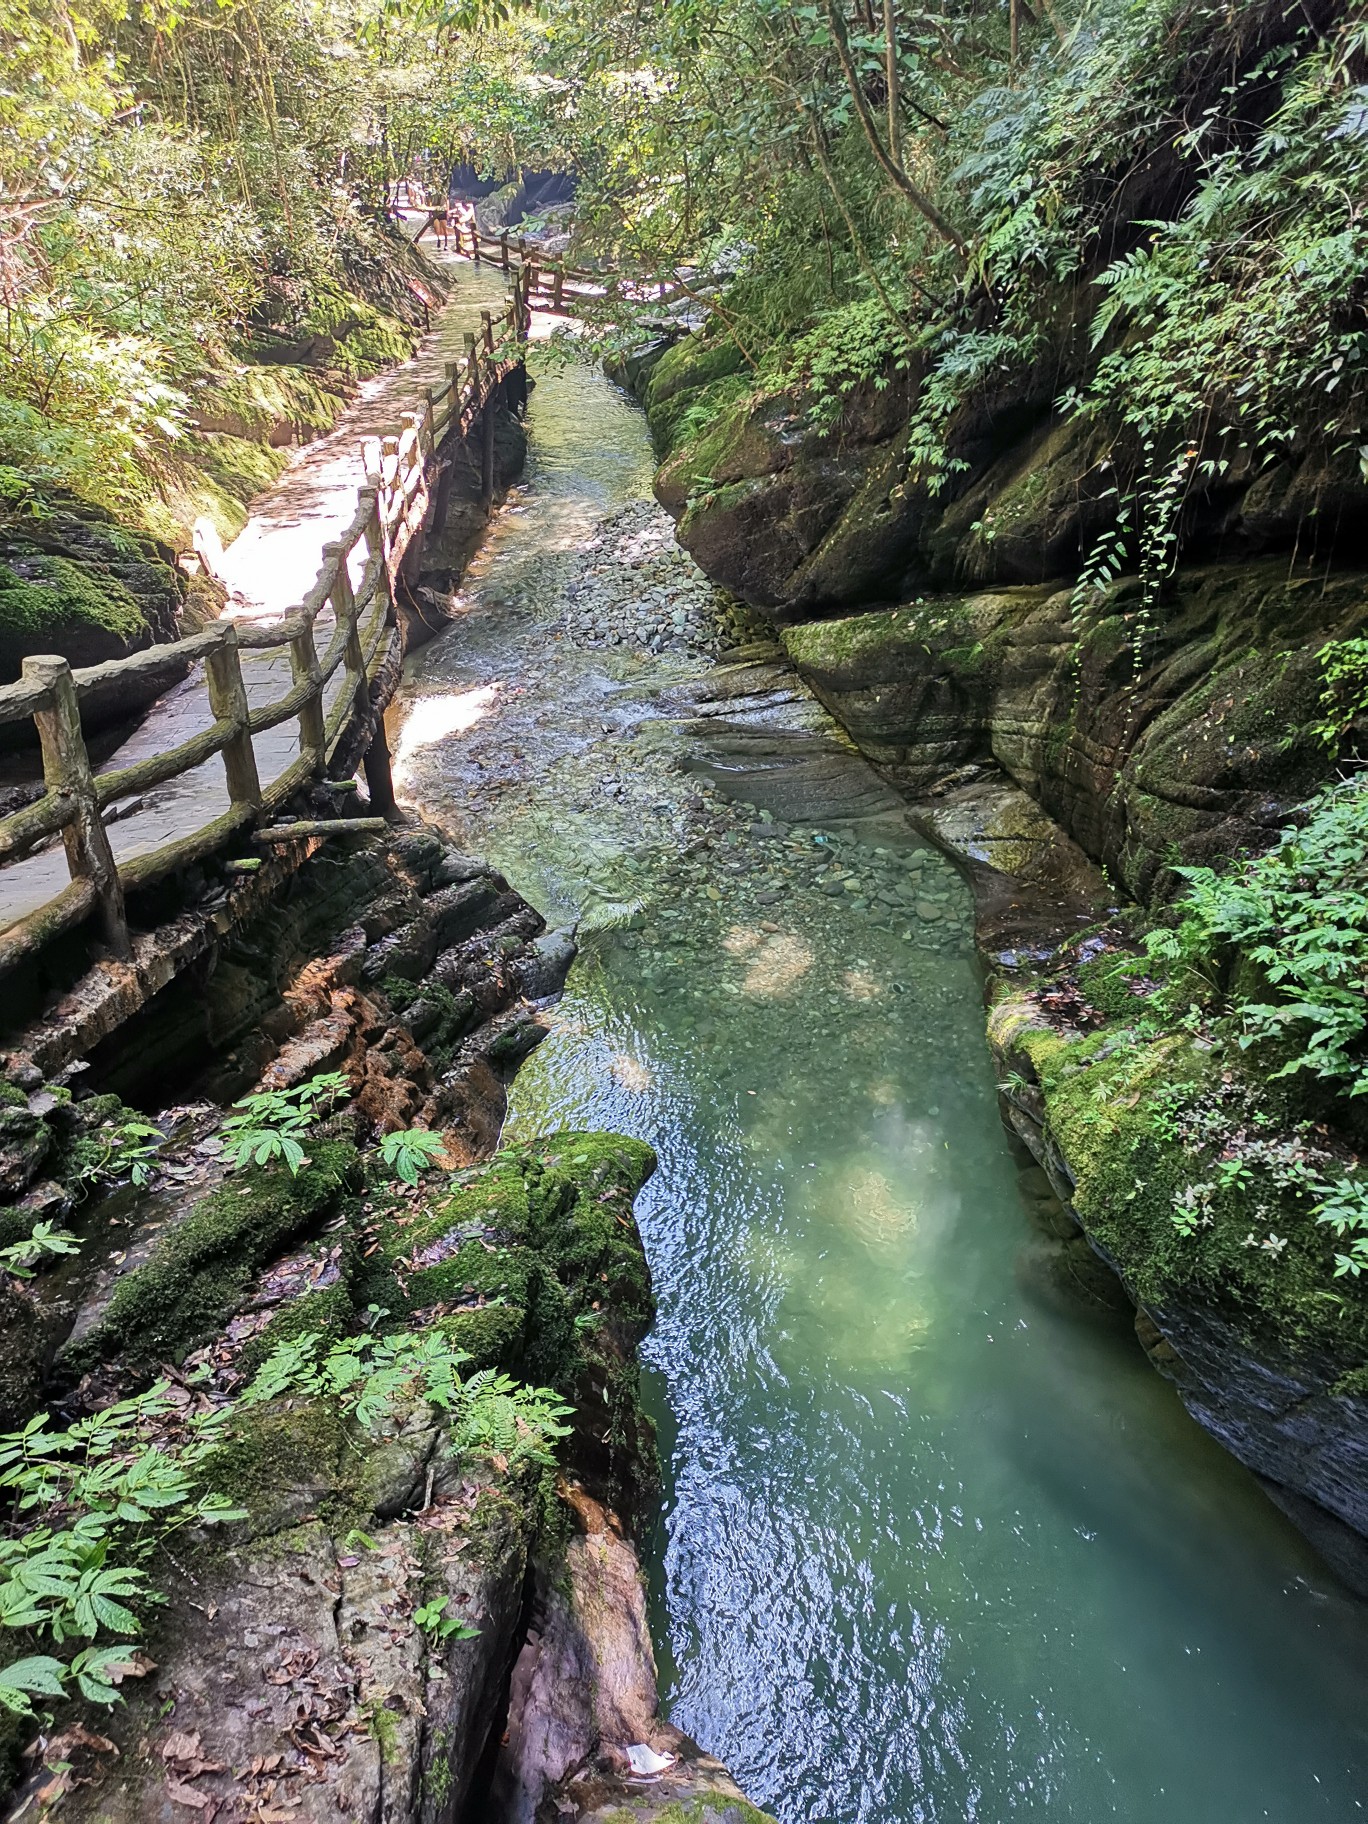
{"type": "Point", "coordinates": [1344, 667]}
{"type": "Point", "coordinates": [89, 1506]}
{"type": "Point", "coordinates": [120, 1149]}
{"type": "Point", "coordinates": [272, 1123]}
{"type": "Point", "coordinates": [439, 1626]}
{"type": "Point", "coordinates": [20, 1257]}
{"type": "Point", "coordinates": [1343, 1208]}
{"type": "Point", "coordinates": [382, 1379]}
{"type": "Point", "coordinates": [1299, 916]}
{"type": "Point", "coordinates": [855, 345]}
{"type": "Point", "coordinates": [409, 1152]}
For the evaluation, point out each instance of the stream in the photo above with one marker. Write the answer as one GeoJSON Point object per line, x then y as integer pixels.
{"type": "Point", "coordinates": [934, 1545]}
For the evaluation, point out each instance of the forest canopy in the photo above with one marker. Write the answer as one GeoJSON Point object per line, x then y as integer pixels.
{"type": "Point", "coordinates": [1161, 200]}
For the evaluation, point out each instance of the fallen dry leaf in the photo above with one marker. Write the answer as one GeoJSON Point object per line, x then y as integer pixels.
{"type": "Point", "coordinates": [59, 1747]}
{"type": "Point", "coordinates": [181, 1794]}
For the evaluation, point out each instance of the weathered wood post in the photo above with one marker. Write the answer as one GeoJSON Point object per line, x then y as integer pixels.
{"type": "Point", "coordinates": [304, 667]}
{"type": "Point", "coordinates": [473, 370]}
{"type": "Point", "coordinates": [228, 701]}
{"type": "Point", "coordinates": [557, 287]}
{"type": "Point", "coordinates": [66, 768]}
{"type": "Point", "coordinates": [503, 249]}
{"type": "Point", "coordinates": [344, 607]}
{"type": "Point", "coordinates": [487, 325]}
{"type": "Point", "coordinates": [379, 771]}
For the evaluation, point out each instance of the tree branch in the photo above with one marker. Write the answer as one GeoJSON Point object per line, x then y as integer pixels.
{"type": "Point", "coordinates": [898, 177]}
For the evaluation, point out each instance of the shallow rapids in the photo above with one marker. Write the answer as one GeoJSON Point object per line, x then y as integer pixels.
{"type": "Point", "coordinates": [935, 1546]}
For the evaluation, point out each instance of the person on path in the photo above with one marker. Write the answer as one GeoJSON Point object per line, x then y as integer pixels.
{"type": "Point", "coordinates": [439, 220]}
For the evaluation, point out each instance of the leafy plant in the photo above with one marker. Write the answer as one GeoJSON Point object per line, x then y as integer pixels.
{"type": "Point", "coordinates": [90, 1505]}
{"type": "Point", "coordinates": [1343, 1208]}
{"type": "Point", "coordinates": [124, 1149]}
{"type": "Point", "coordinates": [1299, 915]}
{"type": "Point", "coordinates": [20, 1257]}
{"type": "Point", "coordinates": [272, 1123]}
{"type": "Point", "coordinates": [409, 1152]}
{"type": "Point", "coordinates": [1344, 669]}
{"type": "Point", "coordinates": [439, 1626]}
{"type": "Point", "coordinates": [380, 1378]}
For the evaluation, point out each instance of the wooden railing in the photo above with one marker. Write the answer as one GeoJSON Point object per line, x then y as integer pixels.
{"type": "Point", "coordinates": [549, 284]}
{"type": "Point", "coordinates": [390, 509]}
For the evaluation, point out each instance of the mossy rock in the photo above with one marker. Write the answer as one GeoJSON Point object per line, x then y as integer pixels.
{"type": "Point", "coordinates": [512, 1252]}
{"type": "Point", "coordinates": [329, 1313]}
{"type": "Point", "coordinates": [1107, 1100]}
{"type": "Point", "coordinates": [288, 1459]}
{"type": "Point", "coordinates": [692, 385]}
{"type": "Point", "coordinates": [709, 1808]}
{"type": "Point", "coordinates": [192, 1275]}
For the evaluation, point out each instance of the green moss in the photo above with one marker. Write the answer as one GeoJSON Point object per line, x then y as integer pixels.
{"type": "Point", "coordinates": [493, 1336]}
{"type": "Point", "coordinates": [1108, 985]}
{"type": "Point", "coordinates": [508, 1255]}
{"type": "Point", "coordinates": [329, 1313]}
{"type": "Point", "coordinates": [373, 344]}
{"type": "Point", "coordinates": [582, 1218]}
{"type": "Point", "coordinates": [238, 466]}
{"type": "Point", "coordinates": [717, 1809]}
{"type": "Point", "coordinates": [259, 399]}
{"type": "Point", "coordinates": [1107, 1098]}
{"type": "Point", "coordinates": [45, 592]}
{"type": "Point", "coordinates": [11, 1096]}
{"type": "Point", "coordinates": [196, 1272]}
{"type": "Point", "coordinates": [292, 1447]}
{"type": "Point", "coordinates": [382, 1725]}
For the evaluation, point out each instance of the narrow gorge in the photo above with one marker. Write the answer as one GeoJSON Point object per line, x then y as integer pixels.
{"type": "Point", "coordinates": [682, 929]}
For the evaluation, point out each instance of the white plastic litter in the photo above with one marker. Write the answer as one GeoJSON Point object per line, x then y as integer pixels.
{"type": "Point", "coordinates": [645, 1760]}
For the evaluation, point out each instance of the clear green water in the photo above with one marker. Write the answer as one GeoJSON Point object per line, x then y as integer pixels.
{"type": "Point", "coordinates": [933, 1546]}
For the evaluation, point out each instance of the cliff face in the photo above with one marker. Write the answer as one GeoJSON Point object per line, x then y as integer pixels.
{"type": "Point", "coordinates": [1181, 732]}
{"type": "Point", "coordinates": [802, 517]}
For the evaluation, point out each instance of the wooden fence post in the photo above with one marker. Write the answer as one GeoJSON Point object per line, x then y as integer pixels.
{"type": "Point", "coordinates": [66, 768]}
{"type": "Point", "coordinates": [344, 607]}
{"type": "Point", "coordinates": [380, 772]}
{"type": "Point", "coordinates": [304, 665]}
{"type": "Point", "coordinates": [487, 325]}
{"type": "Point", "coordinates": [557, 287]}
{"type": "Point", "coordinates": [228, 702]}
{"type": "Point", "coordinates": [503, 249]}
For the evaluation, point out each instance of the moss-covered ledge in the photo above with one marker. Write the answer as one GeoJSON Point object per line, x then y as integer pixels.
{"type": "Point", "coordinates": [1236, 1296]}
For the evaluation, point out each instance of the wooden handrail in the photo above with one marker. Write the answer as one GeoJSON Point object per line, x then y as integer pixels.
{"type": "Point", "coordinates": [389, 508]}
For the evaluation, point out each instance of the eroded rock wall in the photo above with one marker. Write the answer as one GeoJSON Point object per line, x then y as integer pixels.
{"type": "Point", "coordinates": [1178, 731]}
